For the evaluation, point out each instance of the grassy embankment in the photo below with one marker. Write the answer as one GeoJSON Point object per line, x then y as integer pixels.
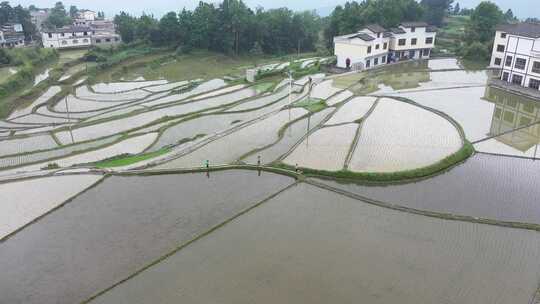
{"type": "Point", "coordinates": [450, 35]}
{"type": "Point", "coordinates": [461, 155]}
{"type": "Point", "coordinates": [28, 62]}
{"type": "Point", "coordinates": [126, 160]}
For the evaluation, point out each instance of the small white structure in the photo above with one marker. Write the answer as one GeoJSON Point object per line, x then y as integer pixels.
{"type": "Point", "coordinates": [67, 37]}
{"type": "Point", "coordinates": [87, 15]}
{"type": "Point", "coordinates": [38, 17]}
{"type": "Point", "coordinates": [375, 45]}
{"type": "Point", "coordinates": [516, 51]}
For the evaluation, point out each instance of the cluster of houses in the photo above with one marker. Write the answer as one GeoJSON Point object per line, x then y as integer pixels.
{"type": "Point", "coordinates": [375, 45]}
{"type": "Point", "coordinates": [87, 30]}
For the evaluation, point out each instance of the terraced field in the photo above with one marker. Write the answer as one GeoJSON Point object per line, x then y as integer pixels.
{"type": "Point", "coordinates": [346, 188]}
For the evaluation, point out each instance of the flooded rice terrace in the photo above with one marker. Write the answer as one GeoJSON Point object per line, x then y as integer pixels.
{"type": "Point", "coordinates": [158, 188]}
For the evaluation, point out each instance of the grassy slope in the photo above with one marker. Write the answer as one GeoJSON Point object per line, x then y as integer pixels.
{"type": "Point", "coordinates": [198, 64]}
{"type": "Point", "coordinates": [130, 159]}
{"type": "Point", "coordinates": [449, 36]}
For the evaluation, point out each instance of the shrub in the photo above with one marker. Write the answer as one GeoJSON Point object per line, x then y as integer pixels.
{"type": "Point", "coordinates": [476, 50]}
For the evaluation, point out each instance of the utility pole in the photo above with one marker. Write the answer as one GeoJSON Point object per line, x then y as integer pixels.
{"type": "Point", "coordinates": [69, 120]}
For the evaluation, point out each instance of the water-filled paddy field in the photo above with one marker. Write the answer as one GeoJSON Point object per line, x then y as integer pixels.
{"type": "Point", "coordinates": [97, 204]}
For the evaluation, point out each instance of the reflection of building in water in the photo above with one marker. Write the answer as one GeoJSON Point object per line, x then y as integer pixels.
{"type": "Point", "coordinates": [513, 112]}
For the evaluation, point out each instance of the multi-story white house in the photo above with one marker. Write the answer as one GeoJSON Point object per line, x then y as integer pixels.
{"type": "Point", "coordinates": [516, 51]}
{"type": "Point", "coordinates": [87, 15]}
{"type": "Point", "coordinates": [67, 37]}
{"type": "Point", "coordinates": [78, 37]}
{"type": "Point", "coordinates": [11, 35]}
{"type": "Point", "coordinates": [412, 40]}
{"type": "Point", "coordinates": [375, 45]}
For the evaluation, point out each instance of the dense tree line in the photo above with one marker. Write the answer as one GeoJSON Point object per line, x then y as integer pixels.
{"type": "Point", "coordinates": [229, 27]}
{"type": "Point", "coordinates": [17, 14]}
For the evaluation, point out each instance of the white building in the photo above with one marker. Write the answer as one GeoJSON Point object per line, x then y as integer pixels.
{"type": "Point", "coordinates": [38, 17]}
{"type": "Point", "coordinates": [67, 37]}
{"type": "Point", "coordinates": [516, 51]}
{"type": "Point", "coordinates": [78, 37]}
{"type": "Point", "coordinates": [11, 35]}
{"type": "Point", "coordinates": [87, 15]}
{"type": "Point", "coordinates": [375, 45]}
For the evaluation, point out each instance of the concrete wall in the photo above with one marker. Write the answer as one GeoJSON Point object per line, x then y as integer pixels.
{"type": "Point", "coordinates": [67, 40]}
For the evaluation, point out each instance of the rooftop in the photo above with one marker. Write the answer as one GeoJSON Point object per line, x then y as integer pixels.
{"type": "Point", "coordinates": [362, 36]}
{"type": "Point", "coordinates": [397, 30]}
{"type": "Point", "coordinates": [70, 29]}
{"type": "Point", "coordinates": [531, 30]}
{"type": "Point", "coordinates": [414, 24]}
{"type": "Point", "coordinates": [375, 28]}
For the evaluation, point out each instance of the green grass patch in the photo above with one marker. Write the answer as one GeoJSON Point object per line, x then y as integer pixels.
{"type": "Point", "coordinates": [464, 153]}
{"type": "Point", "coordinates": [311, 104]}
{"type": "Point", "coordinates": [128, 159]}
{"type": "Point", "coordinates": [264, 87]}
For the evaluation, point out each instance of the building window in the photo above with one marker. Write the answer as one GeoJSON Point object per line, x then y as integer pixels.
{"type": "Point", "coordinates": [413, 41]}
{"type": "Point", "coordinates": [376, 61]}
{"type": "Point", "coordinates": [85, 40]}
{"type": "Point", "coordinates": [534, 84]}
{"type": "Point", "coordinates": [98, 40]}
{"type": "Point", "coordinates": [85, 33]}
{"type": "Point", "coordinates": [500, 48]}
{"type": "Point", "coordinates": [536, 67]}
{"type": "Point", "coordinates": [508, 62]}
{"type": "Point", "coordinates": [376, 46]}
{"type": "Point", "coordinates": [412, 54]}
{"type": "Point", "coordinates": [524, 121]}
{"type": "Point", "coordinates": [107, 40]}
{"type": "Point", "coordinates": [517, 79]}
{"type": "Point", "coordinates": [50, 35]}
{"type": "Point", "coordinates": [528, 107]}
{"type": "Point", "coordinates": [505, 76]}
{"type": "Point", "coordinates": [369, 49]}
{"type": "Point", "coordinates": [429, 40]}
{"type": "Point", "coordinates": [385, 46]}
{"type": "Point", "coordinates": [413, 29]}
{"type": "Point", "coordinates": [520, 63]}
{"type": "Point", "coordinates": [426, 52]}
{"type": "Point", "coordinates": [64, 42]}
{"type": "Point", "coordinates": [383, 59]}
{"type": "Point", "coordinates": [503, 35]}
{"type": "Point", "coordinates": [498, 113]}
{"type": "Point", "coordinates": [497, 61]}
{"type": "Point", "coordinates": [509, 116]}
{"type": "Point", "coordinates": [368, 63]}
{"type": "Point", "coordinates": [378, 35]}
{"type": "Point", "coordinates": [402, 41]}
{"type": "Point", "coordinates": [62, 34]}
{"type": "Point", "coordinates": [73, 34]}
{"type": "Point", "coordinates": [75, 41]}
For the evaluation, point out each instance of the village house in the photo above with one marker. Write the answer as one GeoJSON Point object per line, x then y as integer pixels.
{"type": "Point", "coordinates": [11, 35]}
{"type": "Point", "coordinates": [374, 45]}
{"type": "Point", "coordinates": [78, 37]}
{"type": "Point", "coordinates": [67, 37]}
{"type": "Point", "coordinates": [516, 51]}
{"type": "Point", "coordinates": [38, 17]}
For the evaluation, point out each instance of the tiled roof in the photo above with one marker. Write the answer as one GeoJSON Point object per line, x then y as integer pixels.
{"type": "Point", "coordinates": [362, 36]}
{"type": "Point", "coordinates": [375, 28]}
{"type": "Point", "coordinates": [397, 30]}
{"type": "Point", "coordinates": [431, 29]}
{"type": "Point", "coordinates": [413, 24]}
{"type": "Point", "coordinates": [387, 34]}
{"type": "Point", "coordinates": [71, 29]}
{"type": "Point", "coordinates": [531, 30]}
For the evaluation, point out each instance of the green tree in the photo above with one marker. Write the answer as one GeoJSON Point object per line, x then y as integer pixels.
{"type": "Point", "coordinates": [481, 27]}
{"type": "Point", "coordinates": [58, 16]}
{"type": "Point", "coordinates": [4, 58]}
{"type": "Point", "coordinates": [169, 29]}
{"type": "Point", "coordinates": [125, 26]}
{"type": "Point", "coordinates": [435, 10]}
{"type": "Point", "coordinates": [457, 9]}
{"type": "Point", "coordinates": [205, 26]}
{"type": "Point", "coordinates": [509, 16]}
{"type": "Point", "coordinates": [73, 11]}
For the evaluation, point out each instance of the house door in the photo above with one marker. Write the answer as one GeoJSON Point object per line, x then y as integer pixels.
{"type": "Point", "coordinates": [412, 54]}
